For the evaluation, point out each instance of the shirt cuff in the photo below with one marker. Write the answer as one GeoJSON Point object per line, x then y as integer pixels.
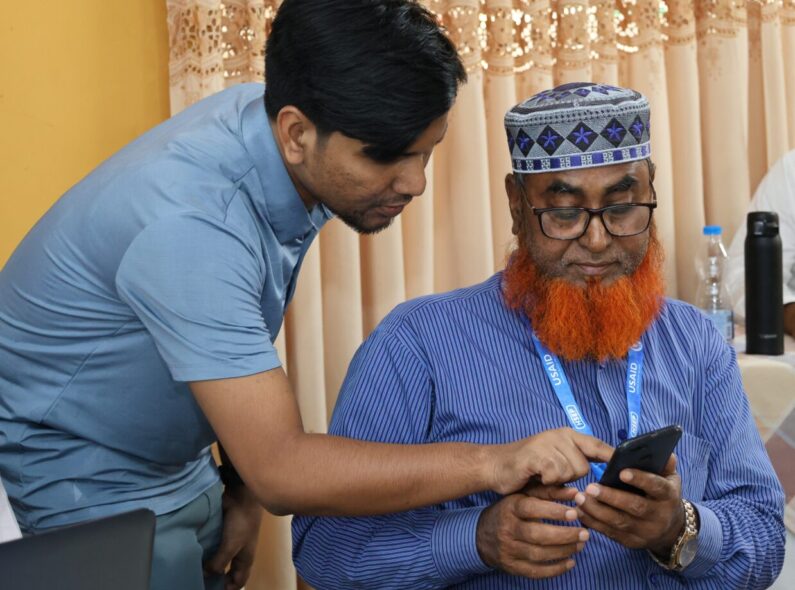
{"type": "Point", "coordinates": [710, 542]}
{"type": "Point", "coordinates": [453, 544]}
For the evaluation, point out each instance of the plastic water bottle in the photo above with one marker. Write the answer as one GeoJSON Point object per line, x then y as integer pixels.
{"type": "Point", "coordinates": [713, 294]}
{"type": "Point", "coordinates": [764, 306]}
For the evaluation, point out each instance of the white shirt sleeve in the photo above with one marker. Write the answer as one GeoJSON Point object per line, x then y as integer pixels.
{"type": "Point", "coordinates": [776, 193]}
{"type": "Point", "coordinates": [9, 529]}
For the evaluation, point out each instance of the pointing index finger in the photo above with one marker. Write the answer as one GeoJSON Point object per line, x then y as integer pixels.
{"type": "Point", "coordinates": [593, 448]}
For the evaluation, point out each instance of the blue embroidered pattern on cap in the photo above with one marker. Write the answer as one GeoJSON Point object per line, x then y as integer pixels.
{"type": "Point", "coordinates": [637, 128]}
{"type": "Point", "coordinates": [524, 141]}
{"type": "Point", "coordinates": [614, 132]}
{"type": "Point", "coordinates": [578, 125]}
{"type": "Point", "coordinates": [549, 140]}
{"type": "Point", "coordinates": [582, 136]}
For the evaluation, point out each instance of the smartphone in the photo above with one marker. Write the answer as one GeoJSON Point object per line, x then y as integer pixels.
{"type": "Point", "coordinates": [647, 452]}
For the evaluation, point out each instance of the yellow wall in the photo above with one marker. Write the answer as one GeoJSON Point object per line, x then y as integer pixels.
{"type": "Point", "coordinates": [78, 80]}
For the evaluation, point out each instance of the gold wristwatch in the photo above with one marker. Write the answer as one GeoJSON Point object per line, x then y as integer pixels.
{"type": "Point", "coordinates": [684, 549]}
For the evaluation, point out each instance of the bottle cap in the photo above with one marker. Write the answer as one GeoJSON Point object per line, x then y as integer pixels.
{"type": "Point", "coordinates": [712, 230]}
{"type": "Point", "coordinates": [763, 223]}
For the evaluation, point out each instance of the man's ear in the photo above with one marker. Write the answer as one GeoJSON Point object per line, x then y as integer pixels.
{"type": "Point", "coordinates": [514, 202]}
{"type": "Point", "coordinates": [295, 133]}
{"type": "Point", "coordinates": [652, 170]}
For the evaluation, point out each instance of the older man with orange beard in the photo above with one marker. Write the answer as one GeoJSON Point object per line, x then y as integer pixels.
{"type": "Point", "coordinates": [574, 335]}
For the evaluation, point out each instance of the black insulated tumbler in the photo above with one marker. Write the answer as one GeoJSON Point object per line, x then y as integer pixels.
{"type": "Point", "coordinates": [764, 304]}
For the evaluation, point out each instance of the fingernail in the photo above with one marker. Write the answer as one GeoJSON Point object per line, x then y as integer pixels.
{"type": "Point", "coordinates": [626, 475]}
{"type": "Point", "coordinates": [580, 547]}
{"type": "Point", "coordinates": [571, 515]}
{"type": "Point", "coordinates": [592, 490]}
{"type": "Point", "coordinates": [579, 499]}
{"type": "Point", "coordinates": [569, 564]}
{"type": "Point", "coordinates": [584, 536]}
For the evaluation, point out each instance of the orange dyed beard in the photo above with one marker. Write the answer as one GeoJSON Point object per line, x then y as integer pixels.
{"type": "Point", "coordinates": [592, 322]}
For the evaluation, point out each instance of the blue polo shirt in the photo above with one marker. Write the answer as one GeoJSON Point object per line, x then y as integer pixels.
{"type": "Point", "coordinates": [172, 262]}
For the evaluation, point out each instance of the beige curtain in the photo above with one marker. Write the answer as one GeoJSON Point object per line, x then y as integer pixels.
{"type": "Point", "coordinates": [720, 75]}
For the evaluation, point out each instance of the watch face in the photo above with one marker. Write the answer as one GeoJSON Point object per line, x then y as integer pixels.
{"type": "Point", "coordinates": [688, 552]}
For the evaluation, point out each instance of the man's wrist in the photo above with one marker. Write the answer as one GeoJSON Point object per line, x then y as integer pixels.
{"type": "Point", "coordinates": [487, 467]}
{"type": "Point", "coordinates": [662, 549]}
{"type": "Point", "coordinates": [484, 538]}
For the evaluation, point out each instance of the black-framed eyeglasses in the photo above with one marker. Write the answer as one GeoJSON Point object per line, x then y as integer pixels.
{"type": "Point", "coordinates": [621, 220]}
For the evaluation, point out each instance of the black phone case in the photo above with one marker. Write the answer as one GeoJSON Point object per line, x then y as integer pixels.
{"type": "Point", "coordinates": [647, 452]}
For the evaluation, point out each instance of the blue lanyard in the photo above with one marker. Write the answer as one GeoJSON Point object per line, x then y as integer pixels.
{"type": "Point", "coordinates": [560, 384]}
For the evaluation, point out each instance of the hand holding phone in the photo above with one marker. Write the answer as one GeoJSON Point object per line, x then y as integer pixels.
{"type": "Point", "coordinates": [647, 452]}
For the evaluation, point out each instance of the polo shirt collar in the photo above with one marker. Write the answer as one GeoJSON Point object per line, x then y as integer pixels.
{"type": "Point", "coordinates": [281, 206]}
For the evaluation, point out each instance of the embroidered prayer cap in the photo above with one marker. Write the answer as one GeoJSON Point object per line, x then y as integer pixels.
{"type": "Point", "coordinates": [578, 125]}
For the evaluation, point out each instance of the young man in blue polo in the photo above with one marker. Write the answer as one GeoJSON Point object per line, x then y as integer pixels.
{"type": "Point", "coordinates": [137, 318]}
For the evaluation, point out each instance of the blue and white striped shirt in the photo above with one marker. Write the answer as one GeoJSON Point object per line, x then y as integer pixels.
{"type": "Point", "coordinates": [461, 367]}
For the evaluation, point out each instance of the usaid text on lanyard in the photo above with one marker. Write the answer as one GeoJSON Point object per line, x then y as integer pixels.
{"type": "Point", "coordinates": [576, 418]}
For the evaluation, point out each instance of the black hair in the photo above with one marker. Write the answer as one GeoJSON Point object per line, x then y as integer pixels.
{"type": "Point", "coordinates": [379, 71]}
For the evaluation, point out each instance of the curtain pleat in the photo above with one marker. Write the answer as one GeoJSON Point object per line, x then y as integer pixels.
{"type": "Point", "coordinates": [383, 280]}
{"type": "Point", "coordinates": [499, 93]}
{"type": "Point", "coordinates": [788, 51]}
{"type": "Point", "coordinates": [775, 104]}
{"type": "Point", "coordinates": [418, 240]}
{"type": "Point", "coordinates": [724, 88]}
{"type": "Point", "coordinates": [469, 208]}
{"type": "Point", "coordinates": [684, 116]}
{"type": "Point", "coordinates": [303, 333]}
{"type": "Point", "coordinates": [642, 67]}
{"type": "Point", "coordinates": [341, 281]}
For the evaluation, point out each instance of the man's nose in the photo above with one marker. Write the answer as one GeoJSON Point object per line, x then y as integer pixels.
{"type": "Point", "coordinates": [596, 237]}
{"type": "Point", "coordinates": [411, 177]}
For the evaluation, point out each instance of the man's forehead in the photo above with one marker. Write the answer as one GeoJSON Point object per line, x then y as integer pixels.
{"type": "Point", "coordinates": [433, 134]}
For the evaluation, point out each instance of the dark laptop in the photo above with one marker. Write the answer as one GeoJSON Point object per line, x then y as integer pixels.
{"type": "Point", "coordinates": [113, 553]}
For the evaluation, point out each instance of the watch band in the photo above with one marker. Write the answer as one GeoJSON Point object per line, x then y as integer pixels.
{"type": "Point", "coordinates": [690, 531]}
